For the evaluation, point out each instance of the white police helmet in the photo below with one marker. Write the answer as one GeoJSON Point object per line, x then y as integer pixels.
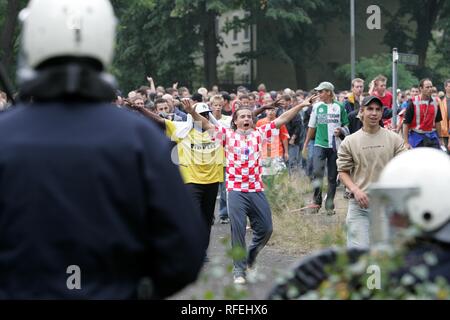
{"type": "Point", "coordinates": [67, 28]}
{"type": "Point", "coordinates": [415, 184]}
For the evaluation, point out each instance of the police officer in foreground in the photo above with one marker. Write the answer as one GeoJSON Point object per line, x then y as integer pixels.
{"type": "Point", "coordinates": [91, 206]}
{"type": "Point", "coordinates": [411, 229]}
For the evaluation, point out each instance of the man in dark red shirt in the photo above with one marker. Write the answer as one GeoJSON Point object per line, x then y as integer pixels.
{"type": "Point", "coordinates": [377, 88]}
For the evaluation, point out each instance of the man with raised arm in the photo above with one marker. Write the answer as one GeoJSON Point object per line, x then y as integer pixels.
{"type": "Point", "coordinates": [243, 145]}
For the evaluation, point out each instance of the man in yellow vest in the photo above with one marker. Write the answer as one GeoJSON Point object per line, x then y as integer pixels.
{"type": "Point", "coordinates": [200, 158]}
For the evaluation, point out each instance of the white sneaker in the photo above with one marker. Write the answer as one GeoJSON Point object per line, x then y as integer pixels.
{"type": "Point", "coordinates": [239, 280]}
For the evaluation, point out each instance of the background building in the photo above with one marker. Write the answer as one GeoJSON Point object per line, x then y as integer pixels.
{"type": "Point", "coordinates": [334, 51]}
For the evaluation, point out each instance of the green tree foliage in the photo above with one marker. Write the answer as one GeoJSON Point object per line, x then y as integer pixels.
{"type": "Point", "coordinates": [438, 61]}
{"type": "Point", "coordinates": [369, 68]}
{"type": "Point", "coordinates": [440, 49]}
{"type": "Point", "coordinates": [411, 30]}
{"type": "Point", "coordinates": [169, 39]}
{"type": "Point", "coordinates": [165, 38]}
{"type": "Point", "coordinates": [203, 14]}
{"type": "Point", "coordinates": [9, 31]}
{"type": "Point", "coordinates": [293, 26]}
{"type": "Point", "coordinates": [152, 42]}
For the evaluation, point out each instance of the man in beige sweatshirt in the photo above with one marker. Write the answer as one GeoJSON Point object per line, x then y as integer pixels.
{"type": "Point", "coordinates": [361, 158]}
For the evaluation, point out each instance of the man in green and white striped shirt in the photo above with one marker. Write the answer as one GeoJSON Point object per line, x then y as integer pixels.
{"type": "Point", "coordinates": [328, 123]}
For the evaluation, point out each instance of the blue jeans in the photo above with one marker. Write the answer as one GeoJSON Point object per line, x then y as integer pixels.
{"type": "Point", "coordinates": [223, 211]}
{"type": "Point", "coordinates": [324, 156]}
{"type": "Point", "coordinates": [294, 151]}
{"type": "Point", "coordinates": [357, 226]}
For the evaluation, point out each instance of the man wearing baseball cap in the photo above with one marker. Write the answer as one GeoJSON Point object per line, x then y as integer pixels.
{"type": "Point", "coordinates": [361, 158]}
{"type": "Point", "coordinates": [325, 86]}
{"type": "Point", "coordinates": [328, 123]}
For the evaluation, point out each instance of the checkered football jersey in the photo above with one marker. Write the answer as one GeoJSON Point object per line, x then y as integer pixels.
{"type": "Point", "coordinates": [243, 156]}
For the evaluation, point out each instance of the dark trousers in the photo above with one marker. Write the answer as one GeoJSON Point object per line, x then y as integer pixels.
{"type": "Point", "coordinates": [253, 205]}
{"type": "Point", "coordinates": [322, 157]}
{"type": "Point", "coordinates": [430, 143]}
{"type": "Point", "coordinates": [204, 196]}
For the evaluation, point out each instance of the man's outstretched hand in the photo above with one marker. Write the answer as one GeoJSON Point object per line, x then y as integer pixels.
{"type": "Point", "coordinates": [188, 105]}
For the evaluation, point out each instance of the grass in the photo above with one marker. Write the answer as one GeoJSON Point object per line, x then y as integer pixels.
{"type": "Point", "coordinates": [296, 232]}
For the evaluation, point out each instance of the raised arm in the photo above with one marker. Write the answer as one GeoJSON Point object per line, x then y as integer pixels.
{"type": "Point", "coordinates": [152, 84]}
{"type": "Point", "coordinates": [261, 109]}
{"type": "Point", "coordinates": [371, 87]}
{"type": "Point", "coordinates": [188, 105]}
{"type": "Point", "coordinates": [290, 114]}
{"type": "Point", "coordinates": [151, 115]}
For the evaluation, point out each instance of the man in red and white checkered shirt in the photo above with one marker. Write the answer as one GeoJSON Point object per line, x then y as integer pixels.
{"type": "Point", "coordinates": [243, 155]}
{"type": "Point", "coordinates": [243, 145]}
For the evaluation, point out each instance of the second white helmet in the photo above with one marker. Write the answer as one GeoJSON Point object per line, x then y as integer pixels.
{"type": "Point", "coordinates": [417, 182]}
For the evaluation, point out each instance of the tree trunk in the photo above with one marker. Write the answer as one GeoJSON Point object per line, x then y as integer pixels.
{"type": "Point", "coordinates": [210, 49]}
{"type": "Point", "coordinates": [300, 75]}
{"type": "Point", "coordinates": [8, 31]}
{"type": "Point", "coordinates": [426, 19]}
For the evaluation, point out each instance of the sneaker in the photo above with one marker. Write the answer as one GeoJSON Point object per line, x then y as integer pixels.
{"type": "Point", "coordinates": [239, 280]}
{"type": "Point", "coordinates": [331, 212]}
{"type": "Point", "coordinates": [224, 220]}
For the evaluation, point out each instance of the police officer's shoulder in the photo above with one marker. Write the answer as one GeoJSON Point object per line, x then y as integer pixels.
{"type": "Point", "coordinates": [9, 113]}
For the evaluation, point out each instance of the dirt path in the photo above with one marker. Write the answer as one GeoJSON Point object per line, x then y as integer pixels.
{"type": "Point", "coordinates": [216, 278]}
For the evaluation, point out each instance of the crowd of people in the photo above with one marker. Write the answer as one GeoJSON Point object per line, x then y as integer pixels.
{"type": "Point", "coordinates": [308, 143]}
{"type": "Point", "coordinates": [322, 137]}
{"type": "Point", "coordinates": [90, 185]}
